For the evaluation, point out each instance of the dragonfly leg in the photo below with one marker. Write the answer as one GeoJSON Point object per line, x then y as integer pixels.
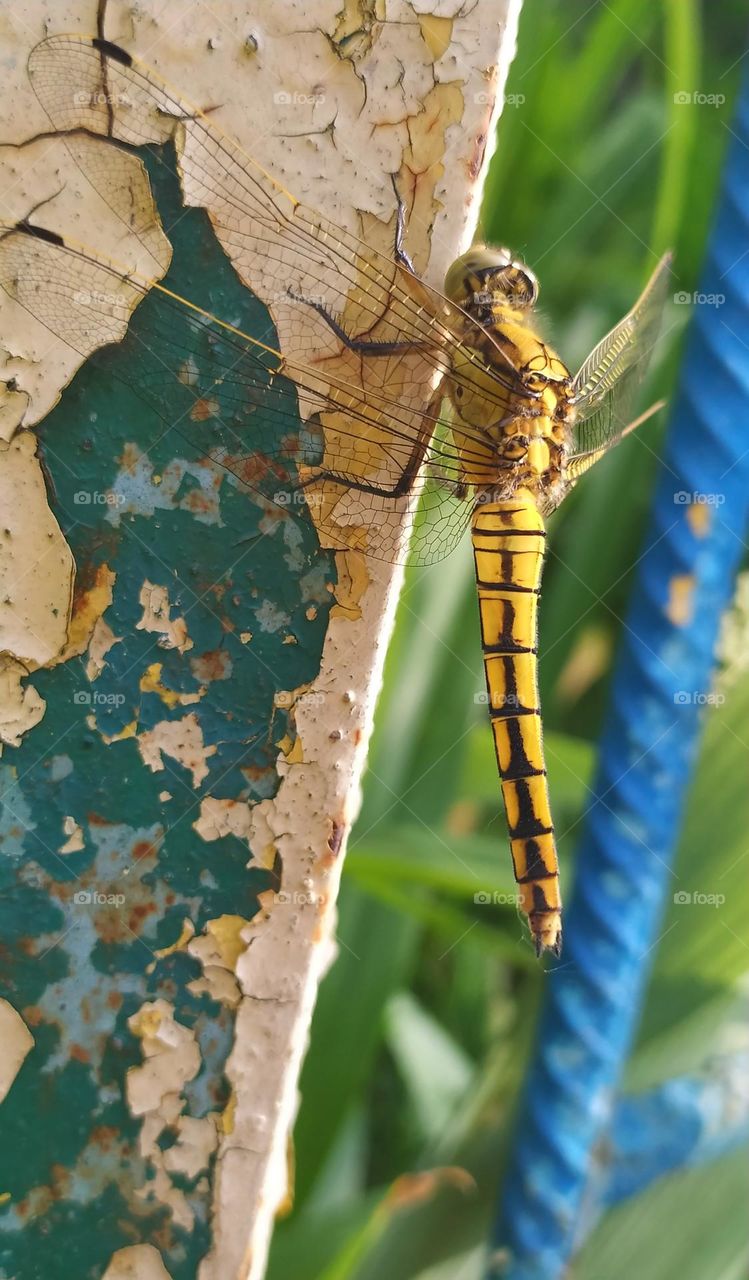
{"type": "Point", "coordinates": [363, 346]}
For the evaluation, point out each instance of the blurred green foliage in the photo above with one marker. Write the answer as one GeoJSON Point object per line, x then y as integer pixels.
{"type": "Point", "coordinates": [424, 1024]}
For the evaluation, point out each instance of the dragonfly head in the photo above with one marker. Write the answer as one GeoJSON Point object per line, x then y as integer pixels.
{"type": "Point", "coordinates": [484, 276]}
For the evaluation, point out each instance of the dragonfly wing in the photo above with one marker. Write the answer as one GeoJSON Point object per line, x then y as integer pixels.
{"type": "Point", "coordinates": [231, 399]}
{"type": "Point", "coordinates": [282, 249]}
{"type": "Point", "coordinates": [606, 387]}
{"type": "Point", "coordinates": [364, 341]}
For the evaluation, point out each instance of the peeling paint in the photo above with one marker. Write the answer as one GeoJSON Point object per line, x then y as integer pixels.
{"type": "Point", "coordinates": [137, 1262]}
{"type": "Point", "coordinates": [202, 1010]}
{"type": "Point", "coordinates": [156, 611]}
{"type": "Point", "coordinates": [16, 1041]}
{"type": "Point", "coordinates": [183, 741]}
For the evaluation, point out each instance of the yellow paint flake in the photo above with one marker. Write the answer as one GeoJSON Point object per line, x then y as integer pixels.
{"type": "Point", "coordinates": [286, 745]}
{"type": "Point", "coordinates": [296, 754]}
{"type": "Point", "coordinates": [188, 932]}
{"type": "Point", "coordinates": [353, 580]}
{"type": "Point", "coordinates": [150, 682]}
{"type": "Point", "coordinates": [680, 604]}
{"type": "Point", "coordinates": [245, 636]}
{"type": "Point", "coordinates": [130, 730]}
{"type": "Point", "coordinates": [221, 943]}
{"type": "Point", "coordinates": [228, 1114]}
{"type": "Point", "coordinates": [437, 33]}
{"type": "Point", "coordinates": [87, 610]}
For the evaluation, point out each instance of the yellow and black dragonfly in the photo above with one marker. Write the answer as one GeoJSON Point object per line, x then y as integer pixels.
{"type": "Point", "coordinates": [401, 415]}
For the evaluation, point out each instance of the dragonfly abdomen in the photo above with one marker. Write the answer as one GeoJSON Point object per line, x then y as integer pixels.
{"type": "Point", "coordinates": [508, 548]}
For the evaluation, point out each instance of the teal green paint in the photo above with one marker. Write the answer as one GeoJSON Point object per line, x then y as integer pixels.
{"type": "Point", "coordinates": [78, 969]}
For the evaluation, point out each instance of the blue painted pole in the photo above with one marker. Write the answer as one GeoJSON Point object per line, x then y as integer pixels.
{"type": "Point", "coordinates": [679, 1124]}
{"type": "Point", "coordinates": [694, 542]}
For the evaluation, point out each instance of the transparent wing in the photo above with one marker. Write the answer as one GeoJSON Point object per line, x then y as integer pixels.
{"type": "Point", "coordinates": [364, 341]}
{"type": "Point", "coordinates": [236, 400]}
{"type": "Point", "coordinates": [606, 387]}
{"type": "Point", "coordinates": [283, 250]}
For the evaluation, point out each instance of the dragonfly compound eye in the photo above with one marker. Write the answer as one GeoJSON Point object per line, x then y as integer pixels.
{"type": "Point", "coordinates": [484, 276]}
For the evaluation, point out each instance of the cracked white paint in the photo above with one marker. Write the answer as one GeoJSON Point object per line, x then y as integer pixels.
{"type": "Point", "coordinates": [15, 1042]}
{"type": "Point", "coordinates": [74, 832]}
{"type": "Point", "coordinates": [171, 1058]}
{"type": "Point", "coordinates": [182, 740]}
{"type": "Point", "coordinates": [36, 566]}
{"type": "Point", "coordinates": [410, 97]}
{"type": "Point", "coordinates": [156, 618]}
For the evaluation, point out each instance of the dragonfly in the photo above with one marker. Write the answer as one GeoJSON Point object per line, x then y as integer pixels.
{"type": "Point", "coordinates": [402, 415]}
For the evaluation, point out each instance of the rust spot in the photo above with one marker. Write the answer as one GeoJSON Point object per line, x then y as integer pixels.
{"type": "Point", "coordinates": [32, 1015]}
{"type": "Point", "coordinates": [105, 1136]}
{"type": "Point", "coordinates": [203, 409]}
{"type": "Point", "coordinates": [477, 156]}
{"type": "Point", "coordinates": [114, 1000]}
{"type": "Point", "coordinates": [214, 664]}
{"type": "Point", "coordinates": [143, 849]}
{"type": "Point", "coordinates": [130, 458]}
{"type": "Point", "coordinates": [336, 838]}
{"type": "Point", "coordinates": [78, 1053]}
{"type": "Point", "coordinates": [138, 914]}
